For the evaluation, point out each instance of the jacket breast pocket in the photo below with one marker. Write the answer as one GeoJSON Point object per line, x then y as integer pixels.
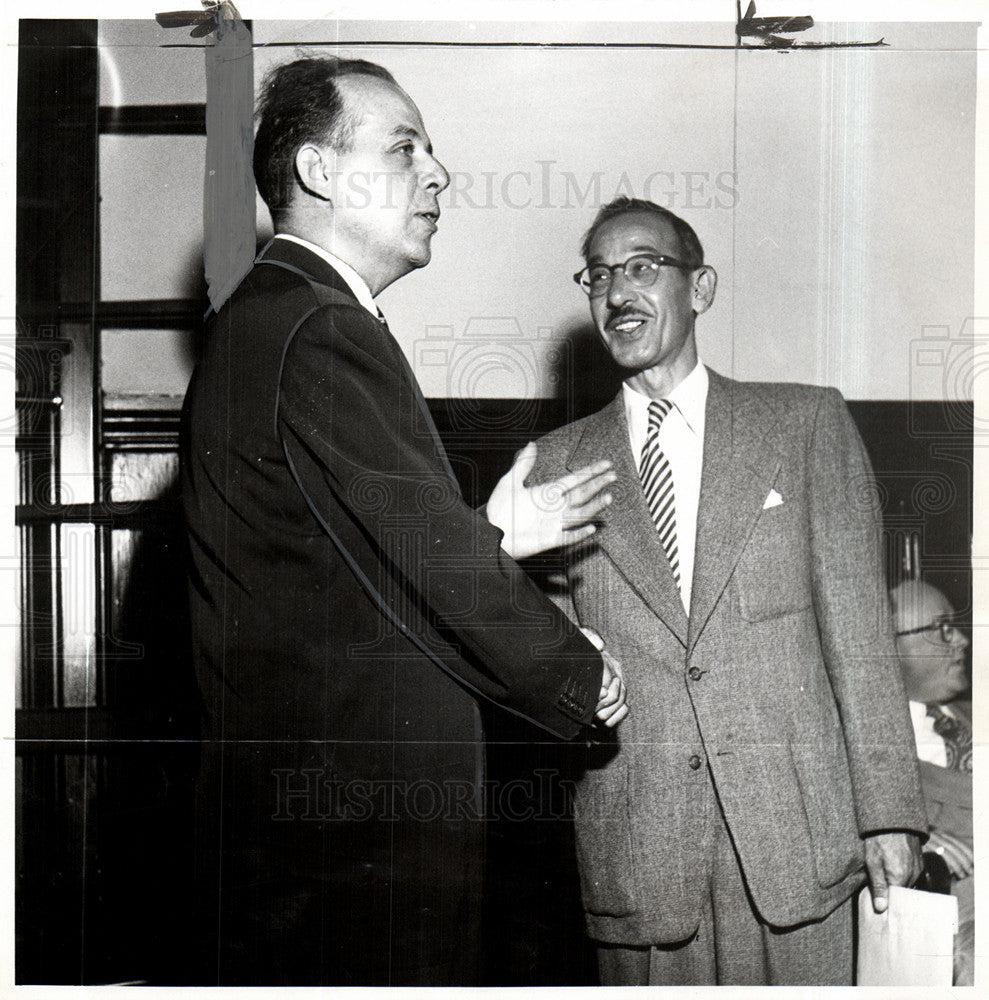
{"type": "Point", "coordinates": [773, 575]}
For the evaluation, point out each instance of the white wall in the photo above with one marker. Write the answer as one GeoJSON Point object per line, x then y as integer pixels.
{"type": "Point", "coordinates": [833, 191]}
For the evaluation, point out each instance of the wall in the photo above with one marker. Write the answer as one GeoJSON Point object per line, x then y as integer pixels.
{"type": "Point", "coordinates": [833, 190]}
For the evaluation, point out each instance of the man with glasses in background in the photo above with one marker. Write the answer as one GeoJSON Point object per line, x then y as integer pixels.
{"type": "Point", "coordinates": [931, 651]}
{"type": "Point", "coordinates": [767, 769]}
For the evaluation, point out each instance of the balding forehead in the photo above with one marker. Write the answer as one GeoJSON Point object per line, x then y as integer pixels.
{"type": "Point", "coordinates": [654, 232]}
{"type": "Point", "coordinates": [365, 85]}
{"type": "Point", "coordinates": [917, 603]}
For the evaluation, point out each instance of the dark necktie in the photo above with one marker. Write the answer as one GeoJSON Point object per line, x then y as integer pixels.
{"type": "Point", "coordinates": [657, 484]}
{"type": "Point", "coordinates": [957, 738]}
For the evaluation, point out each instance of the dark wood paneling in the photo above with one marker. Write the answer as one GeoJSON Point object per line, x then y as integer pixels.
{"type": "Point", "coordinates": [153, 119]}
{"type": "Point", "coordinates": [922, 456]}
{"type": "Point", "coordinates": [57, 261]}
{"type": "Point", "coordinates": [57, 86]}
{"type": "Point", "coordinates": [130, 314]}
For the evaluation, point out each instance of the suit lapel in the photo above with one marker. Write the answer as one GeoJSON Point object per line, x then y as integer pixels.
{"type": "Point", "coordinates": [741, 461]}
{"type": "Point", "coordinates": [295, 257]}
{"type": "Point", "coordinates": [627, 533]}
{"type": "Point", "coordinates": [302, 261]}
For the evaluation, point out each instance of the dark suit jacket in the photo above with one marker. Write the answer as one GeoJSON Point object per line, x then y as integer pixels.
{"type": "Point", "coordinates": [348, 610]}
{"type": "Point", "coordinates": [781, 694]}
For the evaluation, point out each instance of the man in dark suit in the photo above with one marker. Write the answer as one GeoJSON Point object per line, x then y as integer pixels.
{"type": "Point", "coordinates": [931, 651]}
{"type": "Point", "coordinates": [348, 608]}
{"type": "Point", "coordinates": [767, 767]}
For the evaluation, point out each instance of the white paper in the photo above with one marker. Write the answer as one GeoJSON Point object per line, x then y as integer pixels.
{"type": "Point", "coordinates": [911, 943]}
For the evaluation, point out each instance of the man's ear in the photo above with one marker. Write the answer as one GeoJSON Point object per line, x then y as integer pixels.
{"type": "Point", "coordinates": [314, 171]}
{"type": "Point", "coordinates": [705, 282]}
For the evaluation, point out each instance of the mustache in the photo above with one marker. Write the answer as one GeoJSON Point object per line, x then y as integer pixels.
{"type": "Point", "coordinates": [625, 312]}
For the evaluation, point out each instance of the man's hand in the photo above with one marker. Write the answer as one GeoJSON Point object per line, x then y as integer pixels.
{"type": "Point", "coordinates": [611, 707]}
{"type": "Point", "coordinates": [891, 859]}
{"type": "Point", "coordinates": [538, 518]}
{"type": "Point", "coordinates": [958, 856]}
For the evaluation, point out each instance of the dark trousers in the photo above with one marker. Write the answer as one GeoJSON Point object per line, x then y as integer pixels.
{"type": "Point", "coordinates": [307, 892]}
{"type": "Point", "coordinates": [296, 934]}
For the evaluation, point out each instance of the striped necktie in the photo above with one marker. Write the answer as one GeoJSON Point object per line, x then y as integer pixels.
{"type": "Point", "coordinates": [957, 738]}
{"type": "Point", "coordinates": [657, 484]}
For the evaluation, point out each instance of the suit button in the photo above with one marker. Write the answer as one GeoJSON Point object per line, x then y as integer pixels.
{"type": "Point", "coordinates": [694, 762]}
{"type": "Point", "coordinates": [694, 673]}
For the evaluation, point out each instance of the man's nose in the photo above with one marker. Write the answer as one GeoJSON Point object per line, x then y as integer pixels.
{"type": "Point", "coordinates": [958, 638]}
{"type": "Point", "coordinates": [434, 176]}
{"type": "Point", "coordinates": [619, 288]}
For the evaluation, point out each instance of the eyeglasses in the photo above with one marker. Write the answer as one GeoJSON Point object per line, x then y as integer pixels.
{"type": "Point", "coordinates": [947, 630]}
{"type": "Point", "coordinates": [640, 270]}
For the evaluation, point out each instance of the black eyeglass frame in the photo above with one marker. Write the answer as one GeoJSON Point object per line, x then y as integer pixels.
{"type": "Point", "coordinates": [947, 630]}
{"type": "Point", "coordinates": [657, 260]}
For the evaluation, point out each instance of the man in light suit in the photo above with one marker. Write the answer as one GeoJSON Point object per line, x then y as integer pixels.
{"type": "Point", "coordinates": [931, 650]}
{"type": "Point", "coordinates": [766, 768]}
{"type": "Point", "coordinates": [348, 608]}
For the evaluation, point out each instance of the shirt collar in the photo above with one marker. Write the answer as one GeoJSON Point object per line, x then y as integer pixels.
{"type": "Point", "coordinates": [918, 710]}
{"type": "Point", "coordinates": [353, 280]}
{"type": "Point", "coordinates": [689, 397]}
{"type": "Point", "coordinates": [918, 715]}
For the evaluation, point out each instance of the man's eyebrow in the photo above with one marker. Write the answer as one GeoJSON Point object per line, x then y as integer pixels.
{"type": "Point", "coordinates": [642, 248]}
{"type": "Point", "coordinates": [408, 132]}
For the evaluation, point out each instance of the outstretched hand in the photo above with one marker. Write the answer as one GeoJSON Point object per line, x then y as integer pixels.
{"type": "Point", "coordinates": [536, 519]}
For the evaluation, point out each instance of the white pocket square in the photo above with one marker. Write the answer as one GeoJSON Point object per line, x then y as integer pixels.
{"type": "Point", "coordinates": [773, 500]}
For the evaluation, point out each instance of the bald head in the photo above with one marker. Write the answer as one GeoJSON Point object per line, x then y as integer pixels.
{"type": "Point", "coordinates": [933, 666]}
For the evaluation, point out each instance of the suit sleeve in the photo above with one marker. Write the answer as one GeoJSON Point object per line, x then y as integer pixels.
{"type": "Point", "coordinates": [373, 474]}
{"type": "Point", "coordinates": [853, 615]}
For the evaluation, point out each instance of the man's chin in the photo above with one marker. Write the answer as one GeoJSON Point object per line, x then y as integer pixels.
{"type": "Point", "coordinates": [411, 262]}
{"type": "Point", "coordinates": [420, 257]}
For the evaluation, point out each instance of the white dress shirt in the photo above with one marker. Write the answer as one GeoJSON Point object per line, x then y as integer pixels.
{"type": "Point", "coordinates": [681, 438]}
{"type": "Point", "coordinates": [930, 745]}
{"type": "Point", "coordinates": [354, 281]}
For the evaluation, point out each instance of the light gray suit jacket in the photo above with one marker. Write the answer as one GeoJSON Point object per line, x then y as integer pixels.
{"type": "Point", "coordinates": [783, 685]}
